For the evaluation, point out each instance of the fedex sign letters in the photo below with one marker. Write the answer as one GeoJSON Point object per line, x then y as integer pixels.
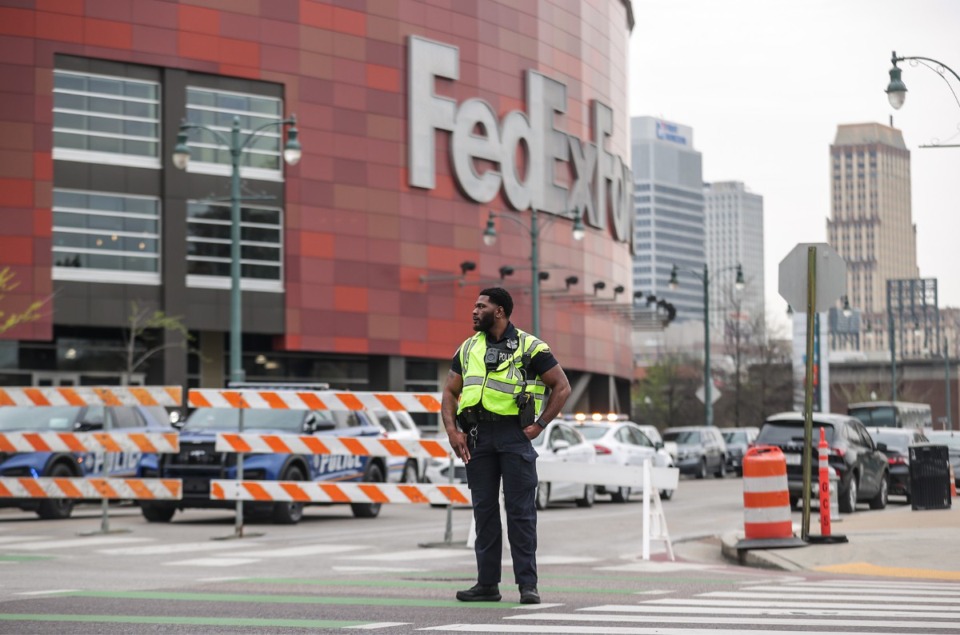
{"type": "Point", "coordinates": [602, 180]}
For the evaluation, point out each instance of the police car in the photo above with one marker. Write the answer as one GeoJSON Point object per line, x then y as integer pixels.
{"type": "Point", "coordinates": [67, 464]}
{"type": "Point", "coordinates": [198, 462]}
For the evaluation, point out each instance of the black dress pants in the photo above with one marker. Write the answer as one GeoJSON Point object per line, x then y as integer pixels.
{"type": "Point", "coordinates": [503, 451]}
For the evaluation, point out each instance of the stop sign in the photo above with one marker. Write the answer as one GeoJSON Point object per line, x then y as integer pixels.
{"type": "Point", "coordinates": [831, 277]}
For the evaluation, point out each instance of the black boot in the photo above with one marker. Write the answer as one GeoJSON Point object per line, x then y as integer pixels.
{"type": "Point", "coordinates": [529, 595]}
{"type": "Point", "coordinates": [480, 593]}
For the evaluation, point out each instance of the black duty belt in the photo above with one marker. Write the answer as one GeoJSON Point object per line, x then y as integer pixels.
{"type": "Point", "coordinates": [481, 415]}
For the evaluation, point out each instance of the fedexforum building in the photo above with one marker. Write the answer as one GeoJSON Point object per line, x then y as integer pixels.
{"type": "Point", "coordinates": [360, 264]}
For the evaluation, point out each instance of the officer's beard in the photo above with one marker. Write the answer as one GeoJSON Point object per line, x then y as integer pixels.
{"type": "Point", "coordinates": [483, 323]}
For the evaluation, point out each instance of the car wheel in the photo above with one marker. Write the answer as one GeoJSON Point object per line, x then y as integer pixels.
{"type": "Point", "coordinates": [369, 510]}
{"type": "Point", "coordinates": [666, 494]}
{"type": "Point", "coordinates": [620, 495]}
{"type": "Point", "coordinates": [543, 495]}
{"type": "Point", "coordinates": [289, 513]}
{"type": "Point", "coordinates": [589, 495]}
{"type": "Point", "coordinates": [722, 470]}
{"type": "Point", "coordinates": [57, 508]}
{"type": "Point", "coordinates": [157, 512]}
{"type": "Point", "coordinates": [848, 501]}
{"type": "Point", "coordinates": [702, 470]}
{"type": "Point", "coordinates": [410, 472]}
{"type": "Point", "coordinates": [880, 500]}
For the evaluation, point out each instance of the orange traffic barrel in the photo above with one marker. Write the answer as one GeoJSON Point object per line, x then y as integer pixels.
{"type": "Point", "coordinates": [766, 499]}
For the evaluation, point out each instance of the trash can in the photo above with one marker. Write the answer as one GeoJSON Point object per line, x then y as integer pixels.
{"type": "Point", "coordinates": [929, 476]}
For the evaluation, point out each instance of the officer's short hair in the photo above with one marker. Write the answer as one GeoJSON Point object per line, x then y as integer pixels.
{"type": "Point", "coordinates": [500, 297]}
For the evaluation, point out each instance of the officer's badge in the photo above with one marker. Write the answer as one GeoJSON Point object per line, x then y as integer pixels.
{"type": "Point", "coordinates": [513, 344]}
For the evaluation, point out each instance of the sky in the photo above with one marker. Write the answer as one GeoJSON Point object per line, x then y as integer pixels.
{"type": "Point", "coordinates": [764, 84]}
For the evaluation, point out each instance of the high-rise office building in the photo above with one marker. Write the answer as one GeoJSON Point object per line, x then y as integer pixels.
{"type": "Point", "coordinates": [669, 224]}
{"type": "Point", "coordinates": [871, 227]}
{"type": "Point", "coordinates": [734, 222]}
{"type": "Point", "coordinates": [871, 223]}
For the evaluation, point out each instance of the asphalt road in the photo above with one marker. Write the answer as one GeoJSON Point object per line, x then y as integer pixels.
{"type": "Point", "coordinates": [333, 571]}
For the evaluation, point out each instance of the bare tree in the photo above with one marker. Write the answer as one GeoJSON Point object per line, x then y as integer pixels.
{"type": "Point", "coordinates": [670, 384]}
{"type": "Point", "coordinates": [139, 337]}
{"type": "Point", "coordinates": [771, 374]}
{"type": "Point", "coordinates": [11, 319]}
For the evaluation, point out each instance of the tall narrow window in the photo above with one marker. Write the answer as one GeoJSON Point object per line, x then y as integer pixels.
{"type": "Point", "coordinates": [101, 119]}
{"type": "Point", "coordinates": [208, 246]}
{"type": "Point", "coordinates": [216, 109]}
{"type": "Point", "coordinates": [101, 237]}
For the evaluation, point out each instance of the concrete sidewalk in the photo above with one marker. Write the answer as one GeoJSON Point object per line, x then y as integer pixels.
{"type": "Point", "coordinates": [897, 542]}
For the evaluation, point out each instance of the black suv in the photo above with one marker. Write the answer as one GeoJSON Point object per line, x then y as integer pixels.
{"type": "Point", "coordinates": [859, 463]}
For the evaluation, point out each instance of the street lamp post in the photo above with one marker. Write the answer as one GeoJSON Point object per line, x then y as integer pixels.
{"type": "Point", "coordinates": [897, 90]}
{"type": "Point", "coordinates": [237, 144]}
{"type": "Point", "coordinates": [705, 279]}
{"type": "Point", "coordinates": [490, 237]}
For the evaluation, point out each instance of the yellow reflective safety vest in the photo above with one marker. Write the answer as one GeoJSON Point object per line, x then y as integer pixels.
{"type": "Point", "coordinates": [495, 389]}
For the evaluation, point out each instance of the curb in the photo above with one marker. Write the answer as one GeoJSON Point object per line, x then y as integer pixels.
{"type": "Point", "coordinates": [758, 558]}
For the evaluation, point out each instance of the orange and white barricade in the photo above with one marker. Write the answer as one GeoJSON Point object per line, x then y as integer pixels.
{"type": "Point", "coordinates": [107, 441]}
{"type": "Point", "coordinates": [306, 492]}
{"type": "Point", "coordinates": [312, 444]}
{"type": "Point", "coordinates": [767, 520]}
{"type": "Point", "coordinates": [91, 488]}
{"type": "Point", "coordinates": [93, 396]}
{"type": "Point", "coordinates": [150, 442]}
{"type": "Point", "coordinates": [313, 400]}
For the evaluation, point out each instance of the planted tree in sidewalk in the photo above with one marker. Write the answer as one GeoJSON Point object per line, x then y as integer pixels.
{"type": "Point", "coordinates": [10, 318]}
{"type": "Point", "coordinates": [147, 332]}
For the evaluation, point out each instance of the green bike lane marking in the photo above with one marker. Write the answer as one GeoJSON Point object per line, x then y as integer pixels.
{"type": "Point", "coordinates": [416, 584]}
{"type": "Point", "coordinates": [11, 558]}
{"type": "Point", "coordinates": [279, 599]}
{"type": "Point", "coordinates": [172, 620]}
{"type": "Point", "coordinates": [651, 577]}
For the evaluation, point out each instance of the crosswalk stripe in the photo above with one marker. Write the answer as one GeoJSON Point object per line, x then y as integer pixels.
{"type": "Point", "coordinates": [8, 539]}
{"type": "Point", "coordinates": [211, 562]}
{"type": "Point", "coordinates": [887, 606]}
{"type": "Point", "coordinates": [428, 554]}
{"type": "Point", "coordinates": [873, 597]}
{"type": "Point", "coordinates": [78, 542]}
{"type": "Point", "coordinates": [177, 547]}
{"type": "Point", "coordinates": [305, 550]}
{"type": "Point", "coordinates": [892, 585]}
{"type": "Point", "coordinates": [919, 587]}
{"type": "Point", "coordinates": [619, 630]}
{"type": "Point", "coordinates": [741, 610]}
{"type": "Point", "coordinates": [853, 590]}
{"type": "Point", "coordinates": [755, 621]}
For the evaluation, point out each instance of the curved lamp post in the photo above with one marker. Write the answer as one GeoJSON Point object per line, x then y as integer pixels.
{"type": "Point", "coordinates": [705, 279]}
{"type": "Point", "coordinates": [897, 90]}
{"type": "Point", "coordinates": [237, 144]}
{"type": "Point", "coordinates": [490, 238]}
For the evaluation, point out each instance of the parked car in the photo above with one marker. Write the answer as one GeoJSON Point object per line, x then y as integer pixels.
{"type": "Point", "coordinates": [70, 464]}
{"type": "Point", "coordinates": [858, 462]}
{"type": "Point", "coordinates": [897, 441]}
{"type": "Point", "coordinates": [198, 462]}
{"type": "Point", "coordinates": [951, 439]}
{"type": "Point", "coordinates": [561, 441]}
{"type": "Point", "coordinates": [738, 440]}
{"type": "Point", "coordinates": [623, 443]}
{"type": "Point", "coordinates": [700, 450]}
{"type": "Point", "coordinates": [668, 448]}
{"type": "Point", "coordinates": [400, 469]}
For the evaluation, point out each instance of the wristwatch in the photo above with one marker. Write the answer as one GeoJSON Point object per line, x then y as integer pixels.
{"type": "Point", "coordinates": [540, 423]}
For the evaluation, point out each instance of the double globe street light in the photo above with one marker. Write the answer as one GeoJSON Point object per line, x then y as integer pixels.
{"type": "Point", "coordinates": [705, 279]}
{"type": "Point", "coordinates": [237, 144]}
{"type": "Point", "coordinates": [490, 238]}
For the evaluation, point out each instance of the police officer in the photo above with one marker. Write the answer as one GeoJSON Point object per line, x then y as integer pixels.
{"type": "Point", "coordinates": [495, 391]}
